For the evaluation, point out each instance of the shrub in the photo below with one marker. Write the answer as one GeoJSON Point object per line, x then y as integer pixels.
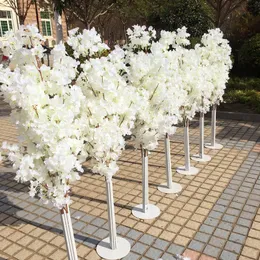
{"type": "Point", "coordinates": [249, 56]}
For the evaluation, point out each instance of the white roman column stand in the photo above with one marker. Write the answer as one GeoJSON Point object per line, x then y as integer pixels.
{"type": "Point", "coordinates": [201, 157]}
{"type": "Point", "coordinates": [68, 233]}
{"type": "Point", "coordinates": [112, 247]}
{"type": "Point", "coordinates": [169, 187]}
{"type": "Point", "coordinates": [145, 210]}
{"type": "Point", "coordinates": [213, 144]}
{"type": "Point", "coordinates": [187, 169]}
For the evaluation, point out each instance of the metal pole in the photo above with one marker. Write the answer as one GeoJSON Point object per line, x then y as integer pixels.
{"type": "Point", "coordinates": [201, 152]}
{"type": "Point", "coordinates": [186, 145]}
{"type": "Point", "coordinates": [168, 161]}
{"type": "Point", "coordinates": [145, 180]}
{"type": "Point", "coordinates": [213, 125]}
{"type": "Point", "coordinates": [111, 213]}
{"type": "Point", "coordinates": [73, 244]}
{"type": "Point", "coordinates": [68, 233]}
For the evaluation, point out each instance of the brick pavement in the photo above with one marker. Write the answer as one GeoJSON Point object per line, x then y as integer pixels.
{"type": "Point", "coordinates": [216, 216]}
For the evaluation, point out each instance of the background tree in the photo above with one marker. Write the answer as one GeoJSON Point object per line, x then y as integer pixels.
{"type": "Point", "coordinates": [88, 11]}
{"type": "Point", "coordinates": [178, 13]}
{"type": "Point", "coordinates": [20, 8]}
{"type": "Point", "coordinates": [253, 7]}
{"type": "Point", "coordinates": [221, 10]}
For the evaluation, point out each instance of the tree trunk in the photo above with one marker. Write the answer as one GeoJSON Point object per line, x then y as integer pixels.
{"type": "Point", "coordinates": [21, 19]}
{"type": "Point", "coordinates": [58, 27]}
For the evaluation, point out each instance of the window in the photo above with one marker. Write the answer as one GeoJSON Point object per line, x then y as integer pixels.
{"type": "Point", "coordinates": [6, 23]}
{"type": "Point", "coordinates": [46, 24]}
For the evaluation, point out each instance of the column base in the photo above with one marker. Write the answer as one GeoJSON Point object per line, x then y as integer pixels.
{"type": "Point", "coordinates": [151, 213]}
{"type": "Point", "coordinates": [104, 250]}
{"type": "Point", "coordinates": [214, 147]}
{"type": "Point", "coordinates": [176, 188]}
{"type": "Point", "coordinates": [204, 158]}
{"type": "Point", "coordinates": [192, 171]}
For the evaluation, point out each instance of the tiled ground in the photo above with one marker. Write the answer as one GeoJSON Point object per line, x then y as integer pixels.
{"type": "Point", "coordinates": [216, 216]}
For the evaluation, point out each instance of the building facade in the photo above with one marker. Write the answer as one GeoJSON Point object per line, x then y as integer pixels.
{"type": "Point", "coordinates": [40, 15]}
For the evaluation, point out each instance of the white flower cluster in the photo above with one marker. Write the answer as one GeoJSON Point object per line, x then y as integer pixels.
{"type": "Point", "coordinates": [85, 44]}
{"type": "Point", "coordinates": [48, 110]}
{"type": "Point", "coordinates": [64, 116]}
{"type": "Point", "coordinates": [111, 106]}
{"type": "Point", "coordinates": [140, 37]}
{"type": "Point", "coordinates": [216, 57]}
{"type": "Point", "coordinates": [175, 82]}
{"type": "Point", "coordinates": [83, 108]}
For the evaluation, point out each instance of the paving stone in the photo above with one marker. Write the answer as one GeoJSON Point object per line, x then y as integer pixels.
{"type": "Point", "coordinates": [91, 242]}
{"type": "Point", "coordinates": [202, 237]}
{"type": "Point", "coordinates": [90, 229]}
{"type": "Point", "coordinates": [122, 230]}
{"type": "Point", "coordinates": [223, 202]}
{"type": "Point", "coordinates": [134, 234]}
{"type": "Point", "coordinates": [236, 205]}
{"type": "Point", "coordinates": [212, 251]}
{"type": "Point", "coordinates": [233, 247]}
{"type": "Point", "coordinates": [226, 255]}
{"type": "Point", "coordinates": [244, 222]}
{"type": "Point", "coordinates": [220, 208]}
{"type": "Point", "coordinates": [139, 248]}
{"type": "Point", "coordinates": [79, 225]}
{"type": "Point", "coordinates": [250, 209]}
{"type": "Point", "coordinates": [98, 222]}
{"type": "Point", "coordinates": [49, 214]}
{"type": "Point", "coordinates": [237, 238]}
{"type": "Point", "coordinates": [225, 225]}
{"type": "Point", "coordinates": [153, 253]}
{"type": "Point", "coordinates": [147, 239]}
{"type": "Point", "coordinates": [215, 214]}
{"type": "Point", "coordinates": [233, 212]}
{"type": "Point", "coordinates": [175, 249]}
{"type": "Point", "coordinates": [131, 256]}
{"type": "Point", "coordinates": [211, 222]}
{"type": "Point", "coordinates": [87, 218]}
{"type": "Point", "coordinates": [160, 244]}
{"type": "Point", "coordinates": [241, 230]}
{"type": "Point", "coordinates": [229, 218]}
{"type": "Point", "coordinates": [217, 242]}
{"type": "Point", "coordinates": [196, 245]}
{"type": "Point", "coordinates": [207, 229]}
{"type": "Point", "coordinates": [101, 233]}
{"type": "Point", "coordinates": [221, 233]}
{"type": "Point", "coordinates": [168, 256]}
{"type": "Point", "coordinates": [247, 215]}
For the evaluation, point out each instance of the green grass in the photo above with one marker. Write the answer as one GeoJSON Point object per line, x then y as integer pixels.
{"type": "Point", "coordinates": [244, 91]}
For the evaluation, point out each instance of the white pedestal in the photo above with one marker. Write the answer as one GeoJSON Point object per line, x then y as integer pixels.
{"type": "Point", "coordinates": [150, 212]}
{"type": "Point", "coordinates": [174, 188]}
{"type": "Point", "coordinates": [104, 250]}
{"type": "Point", "coordinates": [199, 158]}
{"type": "Point", "coordinates": [190, 171]}
{"type": "Point", "coordinates": [214, 147]}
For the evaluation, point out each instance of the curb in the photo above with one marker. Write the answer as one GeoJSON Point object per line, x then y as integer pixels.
{"type": "Point", "coordinates": [236, 116]}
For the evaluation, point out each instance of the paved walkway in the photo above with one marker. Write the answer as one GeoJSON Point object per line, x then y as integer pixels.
{"type": "Point", "coordinates": [216, 216]}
